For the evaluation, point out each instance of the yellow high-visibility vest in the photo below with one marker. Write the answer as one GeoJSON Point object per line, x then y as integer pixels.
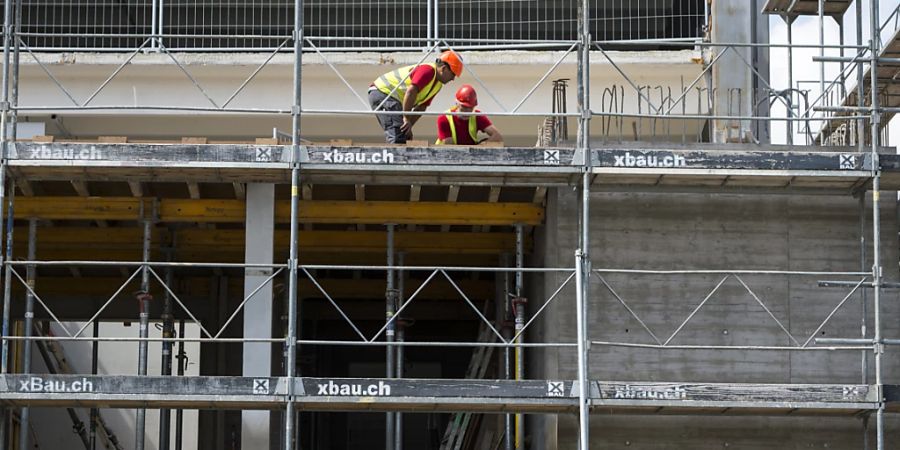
{"type": "Point", "coordinates": [400, 79]}
{"type": "Point", "coordinates": [473, 127]}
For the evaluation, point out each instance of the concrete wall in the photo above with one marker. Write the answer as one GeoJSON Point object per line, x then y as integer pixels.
{"type": "Point", "coordinates": [681, 231]}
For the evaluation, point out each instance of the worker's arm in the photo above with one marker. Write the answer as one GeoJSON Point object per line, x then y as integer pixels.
{"type": "Point", "coordinates": [409, 104]}
{"type": "Point", "coordinates": [493, 134]}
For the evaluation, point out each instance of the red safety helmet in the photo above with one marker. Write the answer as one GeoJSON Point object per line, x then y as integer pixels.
{"type": "Point", "coordinates": [466, 96]}
{"type": "Point", "coordinates": [454, 61]}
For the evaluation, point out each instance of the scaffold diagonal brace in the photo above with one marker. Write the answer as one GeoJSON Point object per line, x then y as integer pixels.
{"type": "Point", "coordinates": [474, 308]}
{"type": "Point", "coordinates": [115, 73]}
{"type": "Point", "coordinates": [333, 303]}
{"type": "Point", "coordinates": [769, 312]}
{"type": "Point", "coordinates": [694, 312]}
{"type": "Point", "coordinates": [543, 307]}
{"type": "Point", "coordinates": [404, 305]}
{"type": "Point", "coordinates": [834, 311]}
{"type": "Point", "coordinates": [337, 72]}
{"type": "Point", "coordinates": [178, 300]}
{"type": "Point", "coordinates": [49, 74]}
{"type": "Point", "coordinates": [38, 298]}
{"type": "Point", "coordinates": [627, 308]}
{"type": "Point", "coordinates": [254, 74]}
{"type": "Point", "coordinates": [191, 77]}
{"type": "Point", "coordinates": [108, 301]}
{"type": "Point", "coordinates": [245, 300]}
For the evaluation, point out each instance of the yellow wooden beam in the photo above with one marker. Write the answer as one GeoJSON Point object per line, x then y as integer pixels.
{"type": "Point", "coordinates": [227, 246]}
{"type": "Point", "coordinates": [79, 208]}
{"type": "Point", "coordinates": [311, 211]}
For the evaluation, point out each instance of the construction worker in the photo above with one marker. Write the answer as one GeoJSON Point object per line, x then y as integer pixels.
{"type": "Point", "coordinates": [463, 129]}
{"type": "Point", "coordinates": [410, 89]}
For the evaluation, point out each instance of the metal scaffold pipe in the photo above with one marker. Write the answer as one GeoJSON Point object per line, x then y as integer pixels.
{"type": "Point", "coordinates": [143, 298]}
{"type": "Point", "coordinates": [401, 337]}
{"type": "Point", "coordinates": [507, 334]}
{"type": "Point", "coordinates": [583, 264]}
{"type": "Point", "coordinates": [7, 296]}
{"type": "Point", "coordinates": [876, 226]}
{"type": "Point", "coordinates": [290, 438]}
{"type": "Point", "coordinates": [519, 308]}
{"type": "Point", "coordinates": [95, 357]}
{"type": "Point", "coordinates": [390, 333]}
{"type": "Point", "coordinates": [168, 331]}
{"type": "Point", "coordinates": [25, 414]}
{"type": "Point", "coordinates": [179, 414]}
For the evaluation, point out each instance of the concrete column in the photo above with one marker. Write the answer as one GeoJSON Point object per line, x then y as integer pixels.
{"type": "Point", "coordinates": [732, 78]}
{"type": "Point", "coordinates": [257, 360]}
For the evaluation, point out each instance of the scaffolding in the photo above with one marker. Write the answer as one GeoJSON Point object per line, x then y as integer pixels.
{"type": "Point", "coordinates": [853, 168]}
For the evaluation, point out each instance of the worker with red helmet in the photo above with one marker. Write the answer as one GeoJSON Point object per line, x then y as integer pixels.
{"type": "Point", "coordinates": [463, 129]}
{"type": "Point", "coordinates": [410, 89]}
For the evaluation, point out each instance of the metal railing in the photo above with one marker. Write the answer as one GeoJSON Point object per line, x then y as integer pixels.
{"type": "Point", "coordinates": [250, 25]}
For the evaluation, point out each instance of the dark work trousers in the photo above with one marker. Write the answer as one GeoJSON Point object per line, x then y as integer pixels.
{"type": "Point", "coordinates": [391, 123]}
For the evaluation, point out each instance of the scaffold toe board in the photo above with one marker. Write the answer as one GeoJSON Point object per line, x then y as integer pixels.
{"type": "Point", "coordinates": [716, 166]}
{"type": "Point", "coordinates": [382, 394]}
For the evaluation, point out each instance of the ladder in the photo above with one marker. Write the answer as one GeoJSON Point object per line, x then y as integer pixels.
{"type": "Point", "coordinates": [55, 359]}
{"type": "Point", "coordinates": [455, 434]}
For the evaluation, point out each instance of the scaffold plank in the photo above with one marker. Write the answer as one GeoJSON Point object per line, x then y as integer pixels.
{"type": "Point", "coordinates": [698, 165]}
{"type": "Point", "coordinates": [379, 394]}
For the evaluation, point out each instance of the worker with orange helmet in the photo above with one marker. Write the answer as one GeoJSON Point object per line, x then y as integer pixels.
{"type": "Point", "coordinates": [463, 129]}
{"type": "Point", "coordinates": [410, 89]}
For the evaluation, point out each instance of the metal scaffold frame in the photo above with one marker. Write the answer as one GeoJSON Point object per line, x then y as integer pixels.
{"type": "Point", "coordinates": [291, 392]}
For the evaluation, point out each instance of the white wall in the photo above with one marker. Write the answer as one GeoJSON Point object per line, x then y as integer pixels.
{"type": "Point", "coordinates": [153, 80]}
{"type": "Point", "coordinates": [115, 358]}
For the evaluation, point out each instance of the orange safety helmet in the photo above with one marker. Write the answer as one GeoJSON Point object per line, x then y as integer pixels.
{"type": "Point", "coordinates": [454, 61]}
{"type": "Point", "coordinates": [466, 96]}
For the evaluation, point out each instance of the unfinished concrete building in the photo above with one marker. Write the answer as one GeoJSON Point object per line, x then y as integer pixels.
{"type": "Point", "coordinates": [207, 246]}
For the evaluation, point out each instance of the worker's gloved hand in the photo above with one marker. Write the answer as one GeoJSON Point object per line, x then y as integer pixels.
{"type": "Point", "coordinates": [409, 135]}
{"type": "Point", "coordinates": [406, 128]}
{"type": "Point", "coordinates": [482, 140]}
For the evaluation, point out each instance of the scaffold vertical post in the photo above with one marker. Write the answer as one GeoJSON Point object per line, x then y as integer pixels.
{"type": "Point", "coordinates": [14, 77]}
{"type": "Point", "coordinates": [821, 11]}
{"type": "Point", "coordinates": [789, 23]}
{"type": "Point", "coordinates": [25, 414]}
{"type": "Point", "coordinates": [401, 337]}
{"type": "Point", "coordinates": [168, 331]}
{"type": "Point", "coordinates": [860, 84]}
{"type": "Point", "coordinates": [519, 305]}
{"type": "Point", "coordinates": [291, 351]}
{"type": "Point", "coordinates": [7, 296]}
{"type": "Point", "coordinates": [876, 226]}
{"type": "Point", "coordinates": [179, 413]}
{"type": "Point", "coordinates": [864, 354]}
{"type": "Point", "coordinates": [390, 308]}
{"type": "Point", "coordinates": [582, 257]}
{"type": "Point", "coordinates": [154, 15]}
{"type": "Point", "coordinates": [507, 335]}
{"type": "Point", "coordinates": [7, 276]}
{"type": "Point", "coordinates": [4, 138]}
{"type": "Point", "coordinates": [143, 298]}
{"type": "Point", "coordinates": [95, 358]}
